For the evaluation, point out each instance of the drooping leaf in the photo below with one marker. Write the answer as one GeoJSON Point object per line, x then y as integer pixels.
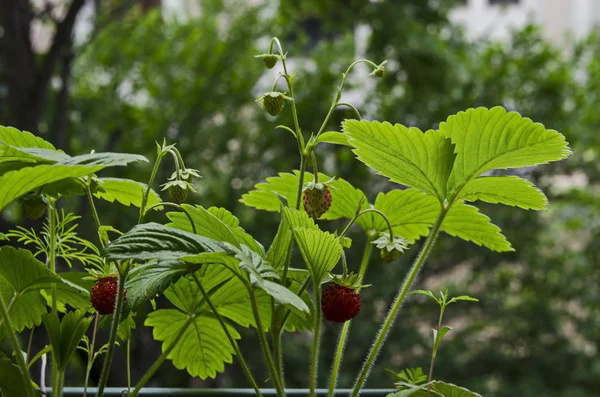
{"type": "Point", "coordinates": [405, 155]}
{"type": "Point", "coordinates": [155, 241]}
{"type": "Point", "coordinates": [203, 348]}
{"type": "Point", "coordinates": [410, 212]}
{"type": "Point", "coordinates": [438, 336]}
{"type": "Point", "coordinates": [12, 381]}
{"type": "Point", "coordinates": [126, 192]}
{"type": "Point", "coordinates": [107, 159]}
{"type": "Point", "coordinates": [508, 190]}
{"type": "Point", "coordinates": [320, 250]}
{"type": "Point", "coordinates": [65, 334]}
{"type": "Point", "coordinates": [488, 139]}
{"type": "Point", "coordinates": [147, 280]}
{"type": "Point", "coordinates": [15, 184]}
{"type": "Point", "coordinates": [466, 222]}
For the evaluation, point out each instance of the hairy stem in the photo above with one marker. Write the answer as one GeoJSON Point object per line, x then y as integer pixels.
{"type": "Point", "coordinates": [235, 346]}
{"type": "Point", "coordinates": [264, 344]}
{"type": "Point", "coordinates": [17, 348]}
{"type": "Point", "coordinates": [314, 360]}
{"type": "Point", "coordinates": [113, 334]}
{"type": "Point", "coordinates": [339, 353]}
{"type": "Point", "coordinates": [391, 316]}
{"type": "Point", "coordinates": [90, 356]}
{"type": "Point", "coordinates": [156, 365]}
{"type": "Point", "coordinates": [147, 192]}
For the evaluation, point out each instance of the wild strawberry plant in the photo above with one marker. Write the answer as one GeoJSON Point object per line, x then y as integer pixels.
{"type": "Point", "coordinates": [218, 277]}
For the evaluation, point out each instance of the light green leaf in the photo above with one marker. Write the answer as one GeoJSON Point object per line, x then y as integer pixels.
{"type": "Point", "coordinates": [438, 336]}
{"type": "Point", "coordinates": [463, 298]}
{"type": "Point", "coordinates": [15, 184]}
{"type": "Point", "coordinates": [11, 143]}
{"type": "Point", "coordinates": [214, 223]}
{"type": "Point", "coordinates": [105, 159]}
{"type": "Point", "coordinates": [155, 241]}
{"type": "Point", "coordinates": [300, 219]}
{"type": "Point", "coordinates": [126, 192]}
{"type": "Point", "coordinates": [488, 139]}
{"type": "Point", "coordinates": [410, 212]}
{"type": "Point", "coordinates": [450, 390]}
{"type": "Point", "coordinates": [147, 280]}
{"type": "Point", "coordinates": [466, 222]}
{"type": "Point", "coordinates": [337, 138]}
{"type": "Point", "coordinates": [12, 382]}
{"type": "Point", "coordinates": [321, 251]}
{"type": "Point", "coordinates": [509, 190]}
{"type": "Point", "coordinates": [405, 155]}
{"type": "Point", "coordinates": [65, 334]}
{"type": "Point", "coordinates": [203, 348]}
{"type": "Point", "coordinates": [426, 293]}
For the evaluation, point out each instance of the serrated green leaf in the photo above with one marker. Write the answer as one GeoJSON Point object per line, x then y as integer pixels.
{"type": "Point", "coordinates": [466, 222]}
{"type": "Point", "coordinates": [155, 241]}
{"type": "Point", "coordinates": [450, 390]}
{"type": "Point", "coordinates": [410, 212]}
{"type": "Point", "coordinates": [125, 327]}
{"type": "Point", "coordinates": [147, 280]}
{"type": "Point", "coordinates": [126, 192]}
{"type": "Point", "coordinates": [15, 184]}
{"type": "Point", "coordinates": [508, 190]}
{"type": "Point", "coordinates": [320, 250]}
{"type": "Point", "coordinates": [65, 334]}
{"type": "Point", "coordinates": [404, 155]}
{"type": "Point", "coordinates": [214, 223]}
{"type": "Point", "coordinates": [12, 382]}
{"type": "Point", "coordinates": [488, 139]}
{"type": "Point", "coordinates": [12, 141]}
{"type": "Point", "coordinates": [284, 296]}
{"type": "Point", "coordinates": [203, 348]}
{"type": "Point", "coordinates": [300, 219]}
{"type": "Point", "coordinates": [280, 249]}
{"type": "Point", "coordinates": [337, 138]}
{"type": "Point", "coordinates": [26, 310]}
{"type": "Point", "coordinates": [22, 271]}
{"type": "Point", "coordinates": [106, 159]}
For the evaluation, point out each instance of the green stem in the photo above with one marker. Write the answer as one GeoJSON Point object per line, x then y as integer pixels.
{"type": "Point", "coordinates": [314, 360]}
{"type": "Point", "coordinates": [57, 387]}
{"type": "Point", "coordinates": [52, 248]}
{"type": "Point", "coordinates": [434, 352]}
{"type": "Point", "coordinates": [17, 348]}
{"type": "Point", "coordinates": [290, 86]}
{"type": "Point", "coordinates": [264, 344]}
{"type": "Point", "coordinates": [156, 365]}
{"type": "Point", "coordinates": [359, 213]}
{"type": "Point", "coordinates": [90, 356]}
{"type": "Point", "coordinates": [351, 107]}
{"type": "Point", "coordinates": [235, 346]}
{"type": "Point", "coordinates": [128, 358]}
{"type": "Point", "coordinates": [337, 362]}
{"type": "Point", "coordinates": [300, 182]}
{"type": "Point", "coordinates": [391, 316]}
{"type": "Point", "coordinates": [313, 158]}
{"type": "Point", "coordinates": [147, 192]}
{"type": "Point", "coordinates": [113, 333]}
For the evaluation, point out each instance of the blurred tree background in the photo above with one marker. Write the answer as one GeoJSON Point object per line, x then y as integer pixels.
{"type": "Point", "coordinates": [141, 76]}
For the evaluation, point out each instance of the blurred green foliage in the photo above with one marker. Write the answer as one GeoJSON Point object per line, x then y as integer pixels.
{"type": "Point", "coordinates": [536, 329]}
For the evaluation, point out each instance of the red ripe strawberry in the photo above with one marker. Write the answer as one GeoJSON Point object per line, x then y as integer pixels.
{"type": "Point", "coordinates": [340, 303]}
{"type": "Point", "coordinates": [317, 200]}
{"type": "Point", "coordinates": [104, 294]}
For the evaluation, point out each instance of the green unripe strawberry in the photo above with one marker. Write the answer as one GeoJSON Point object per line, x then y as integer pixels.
{"type": "Point", "coordinates": [273, 102]}
{"type": "Point", "coordinates": [317, 200]}
{"type": "Point", "coordinates": [389, 256]}
{"type": "Point", "coordinates": [34, 207]}
{"type": "Point", "coordinates": [270, 61]}
{"type": "Point", "coordinates": [177, 193]}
